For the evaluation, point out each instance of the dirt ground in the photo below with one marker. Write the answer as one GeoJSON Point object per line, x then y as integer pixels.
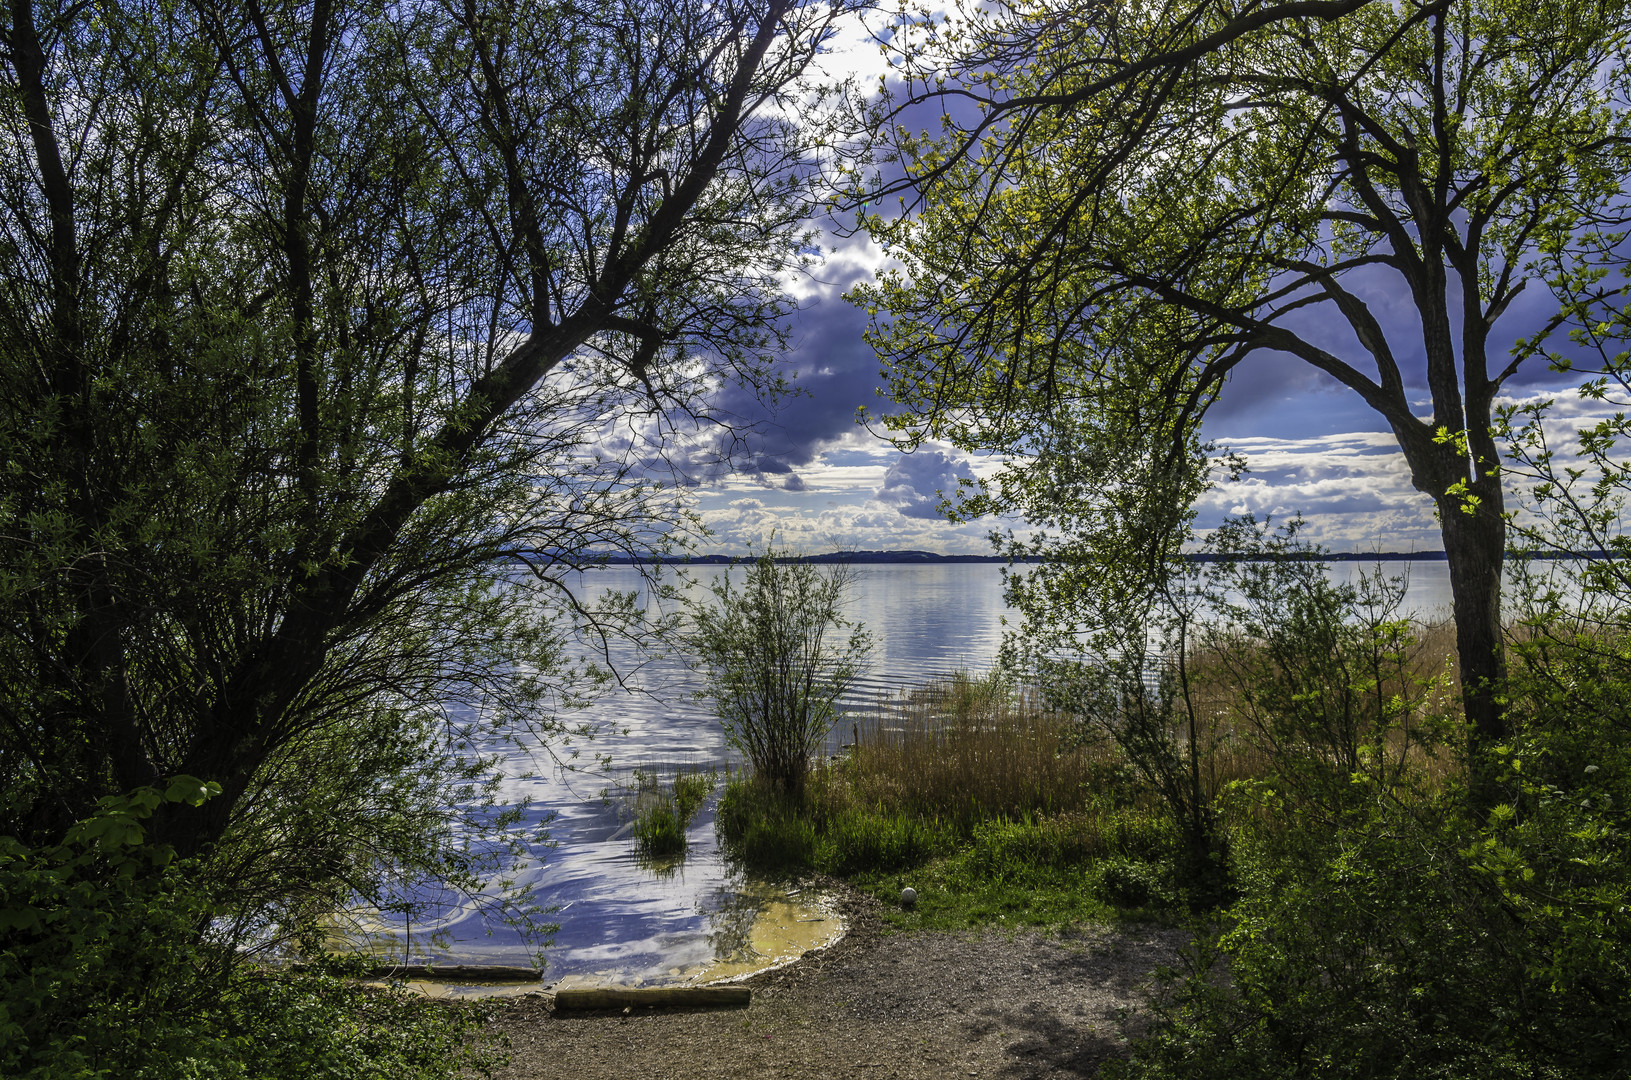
{"type": "Point", "coordinates": [1014, 1005]}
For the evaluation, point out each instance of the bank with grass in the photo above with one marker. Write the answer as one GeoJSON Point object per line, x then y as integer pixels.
{"type": "Point", "coordinates": [991, 806]}
{"type": "Point", "coordinates": [1291, 779]}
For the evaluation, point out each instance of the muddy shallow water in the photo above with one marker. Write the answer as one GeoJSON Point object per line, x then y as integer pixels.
{"type": "Point", "coordinates": [773, 926]}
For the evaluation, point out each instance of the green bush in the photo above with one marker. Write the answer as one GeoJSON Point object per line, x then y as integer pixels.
{"type": "Point", "coordinates": [1129, 883]}
{"type": "Point", "coordinates": [1410, 940]}
{"type": "Point", "coordinates": [107, 969]}
{"type": "Point", "coordinates": [1387, 924]}
{"type": "Point", "coordinates": [775, 671]}
{"type": "Point", "coordinates": [325, 1025]}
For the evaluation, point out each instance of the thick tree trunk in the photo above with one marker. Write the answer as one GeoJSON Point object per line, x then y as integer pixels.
{"type": "Point", "coordinates": [1475, 545]}
{"type": "Point", "coordinates": [1472, 525]}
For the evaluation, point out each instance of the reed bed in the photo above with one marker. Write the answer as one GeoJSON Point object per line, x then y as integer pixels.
{"type": "Point", "coordinates": [979, 773]}
{"type": "Point", "coordinates": [963, 766]}
{"type": "Point", "coordinates": [966, 749]}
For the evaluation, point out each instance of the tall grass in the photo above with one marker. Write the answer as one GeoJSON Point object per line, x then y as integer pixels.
{"type": "Point", "coordinates": [963, 765]}
{"type": "Point", "coordinates": [968, 749]}
{"type": "Point", "coordinates": [979, 767]}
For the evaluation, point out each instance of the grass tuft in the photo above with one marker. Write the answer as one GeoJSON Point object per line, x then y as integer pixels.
{"type": "Point", "coordinates": [661, 817]}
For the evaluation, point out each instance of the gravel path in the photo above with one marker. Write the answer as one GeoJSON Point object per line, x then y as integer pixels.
{"type": "Point", "coordinates": [901, 1005]}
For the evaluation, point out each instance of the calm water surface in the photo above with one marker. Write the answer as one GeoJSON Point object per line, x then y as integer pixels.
{"type": "Point", "coordinates": [622, 920]}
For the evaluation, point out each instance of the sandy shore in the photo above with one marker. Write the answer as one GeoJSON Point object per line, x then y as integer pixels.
{"type": "Point", "coordinates": [897, 1005]}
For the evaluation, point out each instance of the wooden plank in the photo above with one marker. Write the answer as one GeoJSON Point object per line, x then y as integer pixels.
{"type": "Point", "coordinates": [628, 997]}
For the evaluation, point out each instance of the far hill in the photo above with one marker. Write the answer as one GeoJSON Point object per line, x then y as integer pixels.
{"type": "Point", "coordinates": [925, 557]}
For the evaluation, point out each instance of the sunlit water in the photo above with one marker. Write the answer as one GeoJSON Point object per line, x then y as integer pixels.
{"type": "Point", "coordinates": [625, 921]}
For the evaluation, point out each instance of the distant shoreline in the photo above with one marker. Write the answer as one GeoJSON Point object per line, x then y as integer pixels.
{"type": "Point", "coordinates": [930, 557]}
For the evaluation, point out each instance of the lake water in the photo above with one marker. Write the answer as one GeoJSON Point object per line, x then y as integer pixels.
{"type": "Point", "coordinates": [624, 921]}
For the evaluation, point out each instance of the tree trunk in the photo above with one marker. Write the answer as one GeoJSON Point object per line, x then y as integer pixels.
{"type": "Point", "coordinates": [1475, 546]}
{"type": "Point", "coordinates": [1472, 525]}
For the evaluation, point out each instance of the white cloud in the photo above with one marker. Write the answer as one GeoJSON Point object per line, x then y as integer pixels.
{"type": "Point", "coordinates": [857, 491]}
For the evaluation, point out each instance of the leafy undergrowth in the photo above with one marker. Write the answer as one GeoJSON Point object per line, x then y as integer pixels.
{"type": "Point", "coordinates": [103, 974]}
{"type": "Point", "coordinates": [1098, 864]}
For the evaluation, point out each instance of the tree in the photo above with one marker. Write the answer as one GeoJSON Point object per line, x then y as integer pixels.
{"type": "Point", "coordinates": [331, 336]}
{"type": "Point", "coordinates": [1114, 230]}
{"type": "Point", "coordinates": [775, 672]}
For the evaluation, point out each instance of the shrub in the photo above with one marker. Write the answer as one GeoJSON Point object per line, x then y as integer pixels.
{"type": "Point", "coordinates": [774, 664]}
{"type": "Point", "coordinates": [1390, 947]}
{"type": "Point", "coordinates": [106, 969]}
{"type": "Point", "coordinates": [1322, 681]}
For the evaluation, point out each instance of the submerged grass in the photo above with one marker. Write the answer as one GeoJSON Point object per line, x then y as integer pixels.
{"type": "Point", "coordinates": [661, 817]}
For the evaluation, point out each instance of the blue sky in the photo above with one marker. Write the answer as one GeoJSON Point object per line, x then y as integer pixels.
{"type": "Point", "coordinates": [819, 481]}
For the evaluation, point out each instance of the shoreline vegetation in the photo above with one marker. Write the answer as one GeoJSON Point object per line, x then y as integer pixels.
{"type": "Point", "coordinates": [1288, 790]}
{"type": "Point", "coordinates": [1289, 777]}
{"type": "Point", "coordinates": [986, 803]}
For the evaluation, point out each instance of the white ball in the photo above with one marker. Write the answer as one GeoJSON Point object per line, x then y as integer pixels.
{"type": "Point", "coordinates": [908, 896]}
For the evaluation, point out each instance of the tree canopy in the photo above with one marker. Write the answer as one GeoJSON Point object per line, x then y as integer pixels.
{"type": "Point", "coordinates": [1131, 201]}
{"type": "Point", "coordinates": [331, 335]}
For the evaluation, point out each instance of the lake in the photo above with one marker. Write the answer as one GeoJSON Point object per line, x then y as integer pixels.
{"type": "Point", "coordinates": [624, 921]}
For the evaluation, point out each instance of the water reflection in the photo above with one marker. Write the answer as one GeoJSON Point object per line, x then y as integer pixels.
{"type": "Point", "coordinates": [730, 925]}
{"type": "Point", "coordinates": [631, 919]}
{"type": "Point", "coordinates": [739, 926]}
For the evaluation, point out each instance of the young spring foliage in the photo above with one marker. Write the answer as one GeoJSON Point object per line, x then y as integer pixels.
{"type": "Point", "coordinates": [779, 653]}
{"type": "Point", "coordinates": [1143, 197]}
{"type": "Point", "coordinates": [332, 337]}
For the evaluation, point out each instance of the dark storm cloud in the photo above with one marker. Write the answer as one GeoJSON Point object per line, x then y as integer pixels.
{"type": "Point", "coordinates": [915, 483]}
{"type": "Point", "coordinates": [833, 372]}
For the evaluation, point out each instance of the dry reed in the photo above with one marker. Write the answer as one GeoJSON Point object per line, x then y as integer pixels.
{"type": "Point", "coordinates": [971, 748]}
{"type": "Point", "coordinates": [968, 749]}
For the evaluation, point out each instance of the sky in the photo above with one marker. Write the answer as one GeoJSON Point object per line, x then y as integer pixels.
{"type": "Point", "coordinates": [817, 481]}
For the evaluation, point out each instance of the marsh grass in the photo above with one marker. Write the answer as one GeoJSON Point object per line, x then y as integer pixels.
{"type": "Point", "coordinates": [662, 816]}
{"type": "Point", "coordinates": [966, 750]}
{"type": "Point", "coordinates": [995, 807]}
{"type": "Point", "coordinates": [971, 782]}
